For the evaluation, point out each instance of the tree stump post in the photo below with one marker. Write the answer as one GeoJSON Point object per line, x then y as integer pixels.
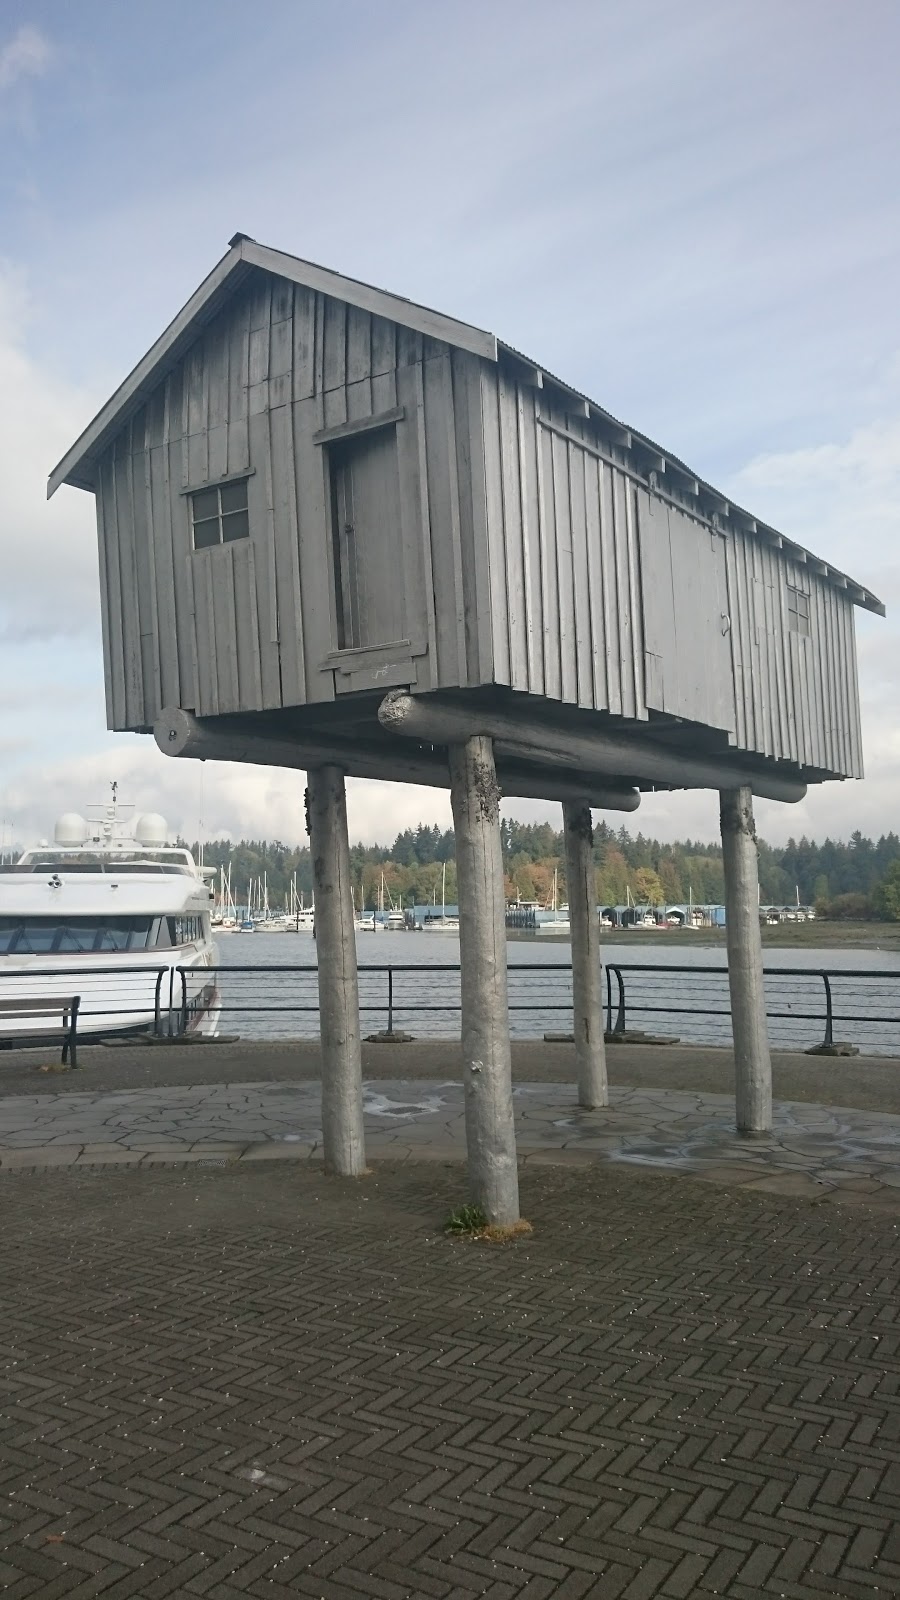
{"type": "Point", "coordinates": [487, 1069]}
{"type": "Point", "coordinates": [752, 1059]}
{"type": "Point", "coordinates": [342, 1114]}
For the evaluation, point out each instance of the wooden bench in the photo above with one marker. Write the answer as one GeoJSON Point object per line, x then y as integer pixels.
{"type": "Point", "coordinates": [56, 1015]}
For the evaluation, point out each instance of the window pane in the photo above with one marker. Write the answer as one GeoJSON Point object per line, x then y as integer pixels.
{"type": "Point", "coordinates": [206, 534]}
{"type": "Point", "coordinates": [37, 937]}
{"type": "Point", "coordinates": [236, 526]}
{"type": "Point", "coordinates": [234, 496]}
{"type": "Point", "coordinates": [205, 504]}
{"type": "Point", "coordinates": [74, 938]}
{"type": "Point", "coordinates": [112, 939]}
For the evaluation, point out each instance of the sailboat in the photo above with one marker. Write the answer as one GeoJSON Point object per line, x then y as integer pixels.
{"type": "Point", "coordinates": [443, 923]}
{"type": "Point", "coordinates": [558, 921]}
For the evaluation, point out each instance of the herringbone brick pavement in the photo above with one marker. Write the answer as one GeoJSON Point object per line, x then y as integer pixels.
{"type": "Point", "coordinates": [261, 1382]}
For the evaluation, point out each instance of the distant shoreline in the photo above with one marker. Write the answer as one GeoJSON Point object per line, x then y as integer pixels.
{"type": "Point", "coordinates": [820, 935]}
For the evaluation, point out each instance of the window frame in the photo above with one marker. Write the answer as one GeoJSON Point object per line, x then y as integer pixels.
{"type": "Point", "coordinates": [799, 610]}
{"type": "Point", "coordinates": [222, 514]}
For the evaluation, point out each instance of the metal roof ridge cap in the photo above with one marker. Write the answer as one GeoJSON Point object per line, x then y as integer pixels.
{"type": "Point", "coordinates": [367, 296]}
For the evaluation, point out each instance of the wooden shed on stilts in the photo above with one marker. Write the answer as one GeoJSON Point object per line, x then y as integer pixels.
{"type": "Point", "coordinates": [344, 533]}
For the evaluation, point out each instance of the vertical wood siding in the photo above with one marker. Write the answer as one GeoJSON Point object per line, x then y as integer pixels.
{"type": "Point", "coordinates": [563, 558]}
{"type": "Point", "coordinates": [795, 695]}
{"type": "Point", "coordinates": [248, 628]}
{"type": "Point", "coordinates": [528, 552]}
{"type": "Point", "coordinates": [604, 595]}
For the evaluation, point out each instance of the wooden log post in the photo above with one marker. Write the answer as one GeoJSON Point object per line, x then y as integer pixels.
{"type": "Point", "coordinates": [752, 1060]}
{"type": "Point", "coordinates": [487, 1067]}
{"type": "Point", "coordinates": [587, 999]}
{"type": "Point", "coordinates": [342, 1114]}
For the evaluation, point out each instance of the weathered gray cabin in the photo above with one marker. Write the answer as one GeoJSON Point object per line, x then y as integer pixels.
{"type": "Point", "coordinates": [310, 491]}
{"type": "Point", "coordinates": [341, 532]}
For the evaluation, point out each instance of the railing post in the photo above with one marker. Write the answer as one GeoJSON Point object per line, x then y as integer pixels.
{"type": "Point", "coordinates": [829, 1011]}
{"type": "Point", "coordinates": [70, 1047]}
{"type": "Point", "coordinates": [157, 1004]}
{"type": "Point", "coordinates": [608, 1001]}
{"type": "Point", "coordinates": [390, 1026]}
{"type": "Point", "coordinates": [620, 1013]}
{"type": "Point", "coordinates": [587, 1012]}
{"type": "Point", "coordinates": [184, 1000]}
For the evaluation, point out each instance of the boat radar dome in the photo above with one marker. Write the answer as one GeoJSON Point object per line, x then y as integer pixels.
{"type": "Point", "coordinates": [71, 829]}
{"type": "Point", "coordinates": [151, 829]}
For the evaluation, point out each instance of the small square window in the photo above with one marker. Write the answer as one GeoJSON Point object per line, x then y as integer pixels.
{"type": "Point", "coordinates": [797, 610]}
{"type": "Point", "coordinates": [206, 533]}
{"type": "Point", "coordinates": [234, 496]}
{"type": "Point", "coordinates": [220, 514]}
{"type": "Point", "coordinates": [236, 525]}
{"type": "Point", "coordinates": [206, 504]}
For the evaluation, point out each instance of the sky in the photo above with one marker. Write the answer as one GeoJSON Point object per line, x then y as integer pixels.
{"type": "Point", "coordinates": [689, 211]}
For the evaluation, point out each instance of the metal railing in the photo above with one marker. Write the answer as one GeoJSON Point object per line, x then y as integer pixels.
{"type": "Point", "coordinates": [805, 1006]}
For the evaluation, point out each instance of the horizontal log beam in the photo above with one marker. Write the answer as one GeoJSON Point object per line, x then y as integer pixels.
{"type": "Point", "coordinates": [526, 739]}
{"type": "Point", "coordinates": [180, 733]}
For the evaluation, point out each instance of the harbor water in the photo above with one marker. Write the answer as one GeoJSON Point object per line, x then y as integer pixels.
{"type": "Point", "coordinates": [690, 1004]}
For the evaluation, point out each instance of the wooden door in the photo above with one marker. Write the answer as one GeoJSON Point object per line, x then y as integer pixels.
{"type": "Point", "coordinates": [686, 617]}
{"type": "Point", "coordinates": [370, 586]}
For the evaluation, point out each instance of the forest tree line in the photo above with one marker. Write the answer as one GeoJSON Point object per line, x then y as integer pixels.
{"type": "Point", "coordinates": [858, 878]}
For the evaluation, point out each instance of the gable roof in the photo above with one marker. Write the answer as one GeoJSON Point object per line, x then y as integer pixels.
{"type": "Point", "coordinates": [244, 255]}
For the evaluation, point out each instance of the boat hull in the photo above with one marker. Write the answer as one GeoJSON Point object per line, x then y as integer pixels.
{"type": "Point", "coordinates": [117, 1001]}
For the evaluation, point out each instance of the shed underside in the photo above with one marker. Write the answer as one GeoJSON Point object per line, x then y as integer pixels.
{"type": "Point", "coordinates": [351, 726]}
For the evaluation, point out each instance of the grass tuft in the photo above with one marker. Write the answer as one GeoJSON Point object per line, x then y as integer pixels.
{"type": "Point", "coordinates": [466, 1219]}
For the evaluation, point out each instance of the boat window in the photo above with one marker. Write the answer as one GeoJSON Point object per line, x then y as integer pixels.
{"type": "Point", "coordinates": [23, 936]}
{"type": "Point", "coordinates": [113, 868]}
{"type": "Point", "coordinates": [184, 930]}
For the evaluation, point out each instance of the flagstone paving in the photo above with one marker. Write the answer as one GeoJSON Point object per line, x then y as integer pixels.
{"type": "Point", "coordinates": [822, 1152]}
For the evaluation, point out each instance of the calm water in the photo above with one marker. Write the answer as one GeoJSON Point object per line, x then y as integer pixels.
{"type": "Point", "coordinates": [690, 1004]}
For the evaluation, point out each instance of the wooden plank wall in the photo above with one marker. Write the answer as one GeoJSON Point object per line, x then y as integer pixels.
{"type": "Point", "coordinates": [796, 697]}
{"type": "Point", "coordinates": [523, 537]}
{"type": "Point", "coordinates": [569, 532]}
{"type": "Point", "coordinates": [235, 628]}
{"type": "Point", "coordinates": [562, 554]}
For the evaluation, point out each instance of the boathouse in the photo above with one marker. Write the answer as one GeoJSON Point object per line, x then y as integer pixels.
{"type": "Point", "coordinates": [342, 532]}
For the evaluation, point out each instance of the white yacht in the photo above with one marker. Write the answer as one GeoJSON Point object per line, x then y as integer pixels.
{"type": "Point", "coordinates": [112, 914]}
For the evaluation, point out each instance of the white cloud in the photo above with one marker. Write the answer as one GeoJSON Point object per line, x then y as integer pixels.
{"type": "Point", "coordinates": [48, 553]}
{"type": "Point", "coordinates": [27, 55]}
{"type": "Point", "coordinates": [232, 800]}
{"type": "Point", "coordinates": [842, 498]}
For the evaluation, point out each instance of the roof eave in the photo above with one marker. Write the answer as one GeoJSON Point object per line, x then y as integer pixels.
{"type": "Point", "coordinates": [244, 255]}
{"type": "Point", "coordinates": [678, 473]}
{"type": "Point", "coordinates": [203, 304]}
